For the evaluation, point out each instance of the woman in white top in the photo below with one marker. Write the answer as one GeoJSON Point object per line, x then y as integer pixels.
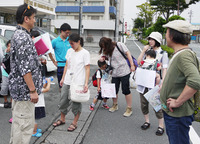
{"type": "Point", "coordinates": [155, 40]}
{"type": "Point", "coordinates": [78, 67]}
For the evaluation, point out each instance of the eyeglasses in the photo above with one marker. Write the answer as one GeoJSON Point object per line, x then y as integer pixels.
{"type": "Point", "coordinates": [28, 7]}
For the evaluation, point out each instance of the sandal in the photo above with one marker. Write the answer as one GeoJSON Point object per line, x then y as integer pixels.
{"type": "Point", "coordinates": [37, 134]}
{"type": "Point", "coordinates": [72, 127]}
{"type": "Point", "coordinates": [160, 131]}
{"type": "Point", "coordinates": [58, 123]}
{"type": "Point", "coordinates": [145, 126]}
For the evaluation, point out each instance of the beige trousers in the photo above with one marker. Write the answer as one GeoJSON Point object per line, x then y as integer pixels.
{"type": "Point", "coordinates": [23, 114]}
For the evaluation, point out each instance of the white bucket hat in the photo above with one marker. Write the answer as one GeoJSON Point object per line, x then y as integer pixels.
{"type": "Point", "coordinates": [157, 36]}
{"type": "Point", "coordinates": [180, 25]}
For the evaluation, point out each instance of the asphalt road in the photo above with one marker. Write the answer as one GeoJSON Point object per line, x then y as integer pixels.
{"type": "Point", "coordinates": [113, 128]}
{"type": "Point", "coordinates": [106, 127]}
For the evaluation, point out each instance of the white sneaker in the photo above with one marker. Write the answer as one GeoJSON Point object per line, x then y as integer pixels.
{"type": "Point", "coordinates": [128, 112]}
{"type": "Point", "coordinates": [113, 108]}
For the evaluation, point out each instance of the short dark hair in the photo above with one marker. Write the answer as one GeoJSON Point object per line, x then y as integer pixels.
{"type": "Point", "coordinates": [35, 33]}
{"type": "Point", "coordinates": [75, 38]}
{"type": "Point", "coordinates": [65, 27]}
{"type": "Point", "coordinates": [101, 63]}
{"type": "Point", "coordinates": [179, 37]}
{"type": "Point", "coordinates": [151, 53]}
{"type": "Point", "coordinates": [8, 42]}
{"type": "Point", "coordinates": [24, 10]}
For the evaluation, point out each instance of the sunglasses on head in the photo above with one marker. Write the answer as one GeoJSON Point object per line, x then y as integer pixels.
{"type": "Point", "coordinates": [28, 7]}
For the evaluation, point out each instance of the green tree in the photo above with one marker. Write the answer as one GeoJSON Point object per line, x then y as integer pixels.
{"type": "Point", "coordinates": [146, 13]}
{"type": "Point", "coordinates": [138, 23]}
{"type": "Point", "coordinates": [168, 7]}
{"type": "Point", "coordinates": [158, 25]}
{"type": "Point", "coordinates": [176, 17]}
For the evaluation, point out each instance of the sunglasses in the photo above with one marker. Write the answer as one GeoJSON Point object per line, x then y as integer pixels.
{"type": "Point", "coordinates": [28, 7]}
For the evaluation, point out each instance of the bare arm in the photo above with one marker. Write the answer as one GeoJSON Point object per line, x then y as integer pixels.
{"type": "Point", "coordinates": [128, 54]}
{"type": "Point", "coordinates": [140, 58]}
{"type": "Point", "coordinates": [52, 59]}
{"type": "Point", "coordinates": [98, 84]}
{"type": "Point", "coordinates": [87, 75]}
{"type": "Point", "coordinates": [33, 93]}
{"type": "Point", "coordinates": [64, 73]}
{"type": "Point", "coordinates": [186, 94]}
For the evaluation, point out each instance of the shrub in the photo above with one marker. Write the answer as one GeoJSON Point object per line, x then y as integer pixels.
{"type": "Point", "coordinates": [168, 50]}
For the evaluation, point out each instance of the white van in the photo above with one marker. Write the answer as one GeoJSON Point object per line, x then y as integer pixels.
{"type": "Point", "coordinates": [8, 30]}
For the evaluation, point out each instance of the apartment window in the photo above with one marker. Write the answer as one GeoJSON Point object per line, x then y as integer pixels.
{"type": "Point", "coordinates": [96, 3]}
{"type": "Point", "coordinates": [61, 17]}
{"type": "Point", "coordinates": [76, 17]}
{"type": "Point", "coordinates": [62, 3]}
{"type": "Point", "coordinates": [95, 17]}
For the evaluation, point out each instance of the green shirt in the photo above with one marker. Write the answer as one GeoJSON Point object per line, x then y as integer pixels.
{"type": "Point", "coordinates": [182, 71]}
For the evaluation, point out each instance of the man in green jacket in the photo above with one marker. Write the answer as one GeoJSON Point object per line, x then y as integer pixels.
{"type": "Point", "coordinates": [180, 84]}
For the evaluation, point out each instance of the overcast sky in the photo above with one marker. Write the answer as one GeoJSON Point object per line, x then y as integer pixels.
{"type": "Point", "coordinates": [130, 11]}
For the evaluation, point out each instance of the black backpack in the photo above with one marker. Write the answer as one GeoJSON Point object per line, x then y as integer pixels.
{"type": "Point", "coordinates": [94, 78]}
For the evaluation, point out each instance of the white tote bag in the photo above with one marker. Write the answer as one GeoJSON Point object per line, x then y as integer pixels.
{"type": "Point", "coordinates": [132, 83]}
{"type": "Point", "coordinates": [77, 94]}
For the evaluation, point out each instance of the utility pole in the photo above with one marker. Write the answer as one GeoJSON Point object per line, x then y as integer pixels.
{"type": "Point", "coordinates": [190, 15]}
{"type": "Point", "coordinates": [123, 31]}
{"type": "Point", "coordinates": [117, 21]}
{"type": "Point", "coordinates": [178, 8]}
{"type": "Point", "coordinates": [80, 17]}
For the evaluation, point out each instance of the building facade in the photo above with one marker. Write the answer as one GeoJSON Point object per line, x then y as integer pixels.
{"type": "Point", "coordinates": [45, 11]}
{"type": "Point", "coordinates": [98, 18]}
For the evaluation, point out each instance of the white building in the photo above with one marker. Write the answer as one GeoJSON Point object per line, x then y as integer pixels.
{"type": "Point", "coordinates": [98, 17]}
{"type": "Point", "coordinates": [45, 11]}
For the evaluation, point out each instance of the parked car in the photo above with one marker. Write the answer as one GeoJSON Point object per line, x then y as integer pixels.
{"type": "Point", "coordinates": [8, 30]}
{"type": "Point", "coordinates": [3, 42]}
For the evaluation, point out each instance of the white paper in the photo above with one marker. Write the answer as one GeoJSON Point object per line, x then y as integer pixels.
{"type": "Point", "coordinates": [40, 102]}
{"type": "Point", "coordinates": [153, 97]}
{"type": "Point", "coordinates": [108, 90]}
{"type": "Point", "coordinates": [140, 89]}
{"type": "Point", "coordinates": [145, 77]}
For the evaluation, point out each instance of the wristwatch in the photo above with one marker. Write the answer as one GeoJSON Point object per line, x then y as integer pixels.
{"type": "Point", "coordinates": [33, 91]}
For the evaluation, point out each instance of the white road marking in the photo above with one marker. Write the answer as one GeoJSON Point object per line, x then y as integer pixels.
{"type": "Point", "coordinates": [137, 45]}
{"type": "Point", "coordinates": [194, 138]}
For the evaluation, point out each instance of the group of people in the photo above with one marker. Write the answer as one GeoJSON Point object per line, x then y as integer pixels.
{"type": "Point", "coordinates": [178, 79]}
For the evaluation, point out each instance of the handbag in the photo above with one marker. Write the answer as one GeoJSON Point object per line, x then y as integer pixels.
{"type": "Point", "coordinates": [132, 83]}
{"type": "Point", "coordinates": [134, 60]}
{"type": "Point", "coordinates": [77, 94]}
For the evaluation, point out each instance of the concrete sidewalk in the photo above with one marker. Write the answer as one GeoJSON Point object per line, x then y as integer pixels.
{"type": "Point", "coordinates": [60, 135]}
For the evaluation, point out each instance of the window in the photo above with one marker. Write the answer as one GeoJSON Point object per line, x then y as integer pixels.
{"type": "Point", "coordinates": [8, 34]}
{"type": "Point", "coordinates": [95, 17]}
{"type": "Point", "coordinates": [61, 17]}
{"type": "Point", "coordinates": [96, 3]}
{"type": "Point", "coordinates": [62, 4]}
{"type": "Point", "coordinates": [76, 17]}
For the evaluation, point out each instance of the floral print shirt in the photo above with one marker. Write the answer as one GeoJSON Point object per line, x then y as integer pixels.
{"type": "Point", "coordinates": [23, 60]}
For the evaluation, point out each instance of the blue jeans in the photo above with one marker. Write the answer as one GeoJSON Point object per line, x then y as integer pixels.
{"type": "Point", "coordinates": [177, 128]}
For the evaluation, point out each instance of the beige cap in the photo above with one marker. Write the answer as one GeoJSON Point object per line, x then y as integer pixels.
{"type": "Point", "coordinates": [180, 25]}
{"type": "Point", "coordinates": [157, 36]}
